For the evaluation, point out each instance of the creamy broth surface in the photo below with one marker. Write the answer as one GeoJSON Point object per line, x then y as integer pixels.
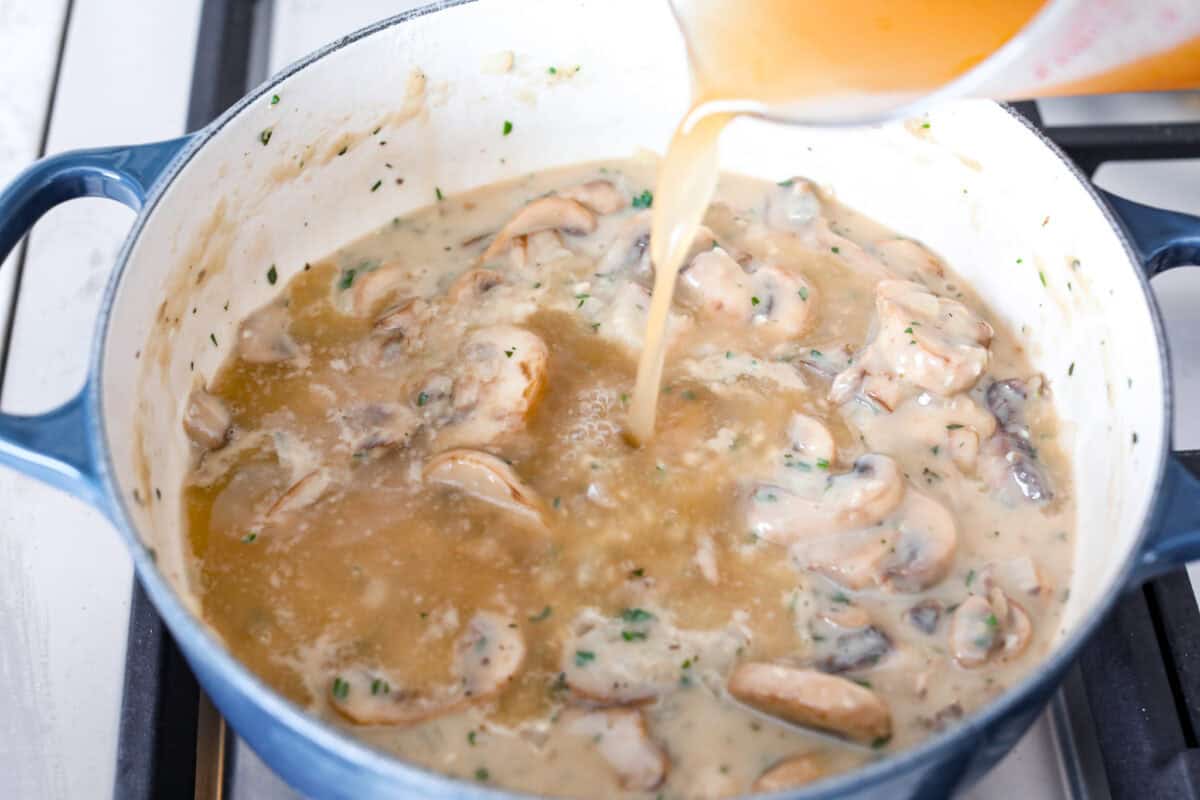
{"type": "Point", "coordinates": [413, 509]}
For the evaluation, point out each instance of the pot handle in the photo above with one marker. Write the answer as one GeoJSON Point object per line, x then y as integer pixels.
{"type": "Point", "coordinates": [58, 447]}
{"type": "Point", "coordinates": [1164, 240]}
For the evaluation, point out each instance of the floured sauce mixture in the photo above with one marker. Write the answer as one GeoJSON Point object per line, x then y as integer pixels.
{"type": "Point", "coordinates": [413, 509]}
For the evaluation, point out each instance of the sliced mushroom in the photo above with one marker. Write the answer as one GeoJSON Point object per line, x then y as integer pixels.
{"type": "Point", "coordinates": [795, 204]}
{"type": "Point", "coordinates": [263, 337]}
{"type": "Point", "coordinates": [849, 649]}
{"type": "Point", "coordinates": [622, 739]}
{"type": "Point", "coordinates": [924, 340]}
{"type": "Point", "coordinates": [473, 284]}
{"type": "Point", "coordinates": [984, 627]}
{"type": "Point", "coordinates": [924, 547]}
{"type": "Point", "coordinates": [786, 302]}
{"type": "Point", "coordinates": [380, 426]}
{"type": "Point", "coordinates": [715, 285]}
{"type": "Point", "coordinates": [1009, 461]}
{"type": "Point", "coordinates": [784, 514]}
{"type": "Point", "coordinates": [543, 214]}
{"type": "Point", "coordinates": [790, 772]}
{"type": "Point", "coordinates": [301, 494]}
{"type": "Point", "coordinates": [487, 478]}
{"type": "Point", "coordinates": [1006, 400]}
{"type": "Point", "coordinates": [537, 249]}
{"type": "Point", "coordinates": [623, 319]}
{"type": "Point", "coordinates": [206, 420]}
{"type": "Point", "coordinates": [796, 207]}
{"type": "Point", "coordinates": [637, 655]}
{"type": "Point", "coordinates": [909, 259]}
{"type": "Point", "coordinates": [813, 699]}
{"type": "Point", "coordinates": [629, 252]}
{"type": "Point", "coordinates": [502, 374]}
{"type": "Point", "coordinates": [373, 287]}
{"type": "Point", "coordinates": [487, 656]}
{"type": "Point", "coordinates": [403, 318]}
{"type": "Point", "coordinates": [810, 440]}
{"type": "Point", "coordinates": [911, 549]}
{"type": "Point", "coordinates": [925, 616]}
{"type": "Point", "coordinates": [598, 195]}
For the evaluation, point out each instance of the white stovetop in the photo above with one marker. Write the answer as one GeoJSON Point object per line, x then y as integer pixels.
{"type": "Point", "coordinates": [124, 77]}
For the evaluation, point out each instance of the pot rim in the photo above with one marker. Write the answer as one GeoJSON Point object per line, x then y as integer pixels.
{"type": "Point", "coordinates": [382, 764]}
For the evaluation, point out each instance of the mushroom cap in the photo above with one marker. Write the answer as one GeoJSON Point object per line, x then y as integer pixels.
{"type": "Point", "coordinates": [813, 699]}
{"type": "Point", "coordinates": [600, 196]}
{"type": "Point", "coordinates": [373, 287]}
{"type": "Point", "coordinates": [501, 375]}
{"type": "Point", "coordinates": [485, 477]}
{"type": "Point", "coordinates": [621, 737]}
{"type": "Point", "coordinates": [545, 213]}
{"type": "Point", "coordinates": [488, 654]}
{"type": "Point", "coordinates": [207, 420]}
{"type": "Point", "coordinates": [787, 513]}
{"type": "Point", "coordinates": [790, 772]}
{"type": "Point", "coordinates": [263, 336]}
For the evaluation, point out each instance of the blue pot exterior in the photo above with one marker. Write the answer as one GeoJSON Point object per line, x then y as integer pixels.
{"type": "Point", "coordinates": [67, 448]}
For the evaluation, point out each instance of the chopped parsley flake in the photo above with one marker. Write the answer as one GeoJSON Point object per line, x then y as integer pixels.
{"type": "Point", "coordinates": [970, 577]}
{"type": "Point", "coordinates": [582, 298]}
{"type": "Point", "coordinates": [342, 152]}
{"type": "Point", "coordinates": [274, 99]}
{"type": "Point", "coordinates": [815, 353]}
{"type": "Point", "coordinates": [633, 636]}
{"type": "Point", "coordinates": [584, 657]}
{"type": "Point", "coordinates": [908, 330]}
{"type": "Point", "coordinates": [347, 279]}
{"type": "Point", "coordinates": [953, 426]}
{"type": "Point", "coordinates": [839, 597]}
{"type": "Point", "coordinates": [553, 70]}
{"type": "Point", "coordinates": [265, 136]}
{"type": "Point", "coordinates": [380, 686]}
{"type": "Point", "coordinates": [557, 502]}
{"type": "Point", "coordinates": [637, 573]}
{"type": "Point", "coordinates": [507, 127]}
{"type": "Point", "coordinates": [509, 352]}
{"type": "Point", "coordinates": [823, 463]}
{"type": "Point", "coordinates": [482, 774]}
{"type": "Point", "coordinates": [787, 183]}
{"type": "Point", "coordinates": [1071, 369]}
{"type": "Point", "coordinates": [1042, 276]}
{"type": "Point", "coordinates": [249, 537]}
{"type": "Point", "coordinates": [471, 738]}
{"type": "Point", "coordinates": [836, 249]}
{"type": "Point", "coordinates": [880, 742]}
{"type": "Point", "coordinates": [422, 398]}
{"type": "Point", "coordinates": [636, 615]}
{"type": "Point", "coordinates": [644, 200]}
{"type": "Point", "coordinates": [438, 192]}
{"type": "Point", "coordinates": [754, 301]}
{"type": "Point", "coordinates": [213, 337]}
{"type": "Point", "coordinates": [991, 621]}
{"type": "Point", "coordinates": [376, 185]}
{"type": "Point", "coordinates": [272, 275]}
{"type": "Point", "coordinates": [340, 688]}
{"type": "Point", "coordinates": [803, 292]}
{"type": "Point", "coordinates": [542, 615]}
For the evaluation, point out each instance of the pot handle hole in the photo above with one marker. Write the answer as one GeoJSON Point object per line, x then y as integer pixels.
{"type": "Point", "coordinates": [1163, 240]}
{"type": "Point", "coordinates": [58, 447]}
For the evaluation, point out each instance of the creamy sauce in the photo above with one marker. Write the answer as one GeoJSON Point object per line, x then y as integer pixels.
{"type": "Point", "coordinates": [413, 510]}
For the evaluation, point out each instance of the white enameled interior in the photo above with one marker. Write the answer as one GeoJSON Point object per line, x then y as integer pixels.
{"type": "Point", "coordinates": [976, 185]}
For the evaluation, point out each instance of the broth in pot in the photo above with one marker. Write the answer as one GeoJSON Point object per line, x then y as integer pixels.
{"type": "Point", "coordinates": [413, 509]}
